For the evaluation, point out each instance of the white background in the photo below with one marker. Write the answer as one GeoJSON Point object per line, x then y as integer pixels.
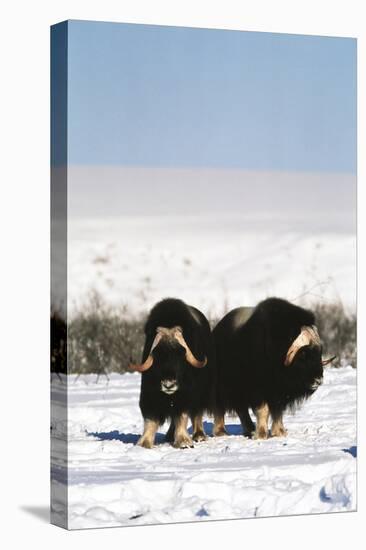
{"type": "Point", "coordinates": [24, 216]}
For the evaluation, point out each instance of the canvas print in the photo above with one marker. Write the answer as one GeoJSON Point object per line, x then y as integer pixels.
{"type": "Point", "coordinates": [203, 274]}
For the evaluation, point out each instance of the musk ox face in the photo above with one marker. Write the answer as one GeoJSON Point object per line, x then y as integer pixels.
{"type": "Point", "coordinates": [308, 336]}
{"type": "Point", "coordinates": [170, 369]}
{"type": "Point", "coordinates": [168, 365]}
{"type": "Point", "coordinates": [303, 364]}
{"type": "Point", "coordinates": [307, 369]}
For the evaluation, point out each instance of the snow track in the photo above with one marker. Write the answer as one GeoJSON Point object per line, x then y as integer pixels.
{"type": "Point", "coordinates": [113, 482]}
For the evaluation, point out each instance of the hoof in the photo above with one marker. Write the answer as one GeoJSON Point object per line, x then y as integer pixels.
{"type": "Point", "coordinates": [183, 443]}
{"type": "Point", "coordinates": [145, 443]}
{"type": "Point", "coordinates": [280, 432]}
{"type": "Point", "coordinates": [260, 434]}
{"type": "Point", "coordinates": [199, 436]}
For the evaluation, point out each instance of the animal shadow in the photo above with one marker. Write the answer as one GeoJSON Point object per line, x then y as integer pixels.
{"type": "Point", "coordinates": [129, 438]}
{"type": "Point", "coordinates": [124, 438]}
{"type": "Point", "coordinates": [352, 451]}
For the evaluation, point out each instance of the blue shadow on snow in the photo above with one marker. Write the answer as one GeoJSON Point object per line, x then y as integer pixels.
{"type": "Point", "coordinates": [352, 451]}
{"type": "Point", "coordinates": [124, 438]}
{"type": "Point", "coordinates": [232, 429]}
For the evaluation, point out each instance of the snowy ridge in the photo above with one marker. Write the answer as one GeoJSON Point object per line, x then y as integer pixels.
{"type": "Point", "coordinates": [113, 482]}
{"type": "Point", "coordinates": [214, 264]}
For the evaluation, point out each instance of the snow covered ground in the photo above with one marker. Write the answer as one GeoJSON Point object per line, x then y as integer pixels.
{"type": "Point", "coordinates": [214, 263]}
{"type": "Point", "coordinates": [113, 482]}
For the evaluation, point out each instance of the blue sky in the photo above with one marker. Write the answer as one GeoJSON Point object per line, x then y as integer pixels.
{"type": "Point", "coordinates": [155, 96]}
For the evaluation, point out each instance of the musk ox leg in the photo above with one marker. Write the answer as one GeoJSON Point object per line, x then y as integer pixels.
{"type": "Point", "coordinates": [182, 439]}
{"type": "Point", "coordinates": [147, 438]}
{"type": "Point", "coordinates": [169, 436]}
{"type": "Point", "coordinates": [262, 415]}
{"type": "Point", "coordinates": [197, 428]}
{"type": "Point", "coordinates": [246, 422]}
{"type": "Point", "coordinates": [277, 429]}
{"type": "Point", "coordinates": [219, 425]}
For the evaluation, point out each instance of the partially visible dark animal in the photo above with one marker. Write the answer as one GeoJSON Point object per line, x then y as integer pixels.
{"type": "Point", "coordinates": [58, 345]}
{"type": "Point", "coordinates": [268, 359]}
{"type": "Point", "coordinates": [177, 369]}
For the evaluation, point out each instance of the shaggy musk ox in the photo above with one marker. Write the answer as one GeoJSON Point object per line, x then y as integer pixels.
{"type": "Point", "coordinates": [268, 358]}
{"type": "Point", "coordinates": [177, 366]}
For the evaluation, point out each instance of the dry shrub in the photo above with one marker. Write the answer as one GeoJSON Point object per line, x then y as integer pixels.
{"type": "Point", "coordinates": [103, 339]}
{"type": "Point", "coordinates": [338, 331]}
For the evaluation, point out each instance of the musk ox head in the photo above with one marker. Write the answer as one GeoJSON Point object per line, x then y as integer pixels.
{"type": "Point", "coordinates": [169, 360]}
{"type": "Point", "coordinates": [304, 358]}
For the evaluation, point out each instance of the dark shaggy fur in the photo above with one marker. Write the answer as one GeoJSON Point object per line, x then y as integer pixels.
{"type": "Point", "coordinates": [194, 392]}
{"type": "Point", "coordinates": [250, 356]}
{"type": "Point", "coordinates": [58, 345]}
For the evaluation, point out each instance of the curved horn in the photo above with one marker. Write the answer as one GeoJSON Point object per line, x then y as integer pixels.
{"type": "Point", "coordinates": [149, 360]}
{"type": "Point", "coordinates": [308, 337]}
{"type": "Point", "coordinates": [144, 366]}
{"type": "Point", "coordinates": [327, 361]}
{"type": "Point", "coordinates": [178, 335]}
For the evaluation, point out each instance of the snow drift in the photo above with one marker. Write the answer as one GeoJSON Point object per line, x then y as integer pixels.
{"type": "Point", "coordinates": [113, 482]}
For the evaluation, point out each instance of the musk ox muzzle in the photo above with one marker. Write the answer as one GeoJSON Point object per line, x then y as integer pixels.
{"type": "Point", "coordinates": [169, 386]}
{"type": "Point", "coordinates": [308, 336]}
{"type": "Point", "coordinates": [174, 334]}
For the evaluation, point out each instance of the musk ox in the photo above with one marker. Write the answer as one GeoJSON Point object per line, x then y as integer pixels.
{"type": "Point", "coordinates": [58, 345]}
{"type": "Point", "coordinates": [267, 359]}
{"type": "Point", "coordinates": [177, 368]}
